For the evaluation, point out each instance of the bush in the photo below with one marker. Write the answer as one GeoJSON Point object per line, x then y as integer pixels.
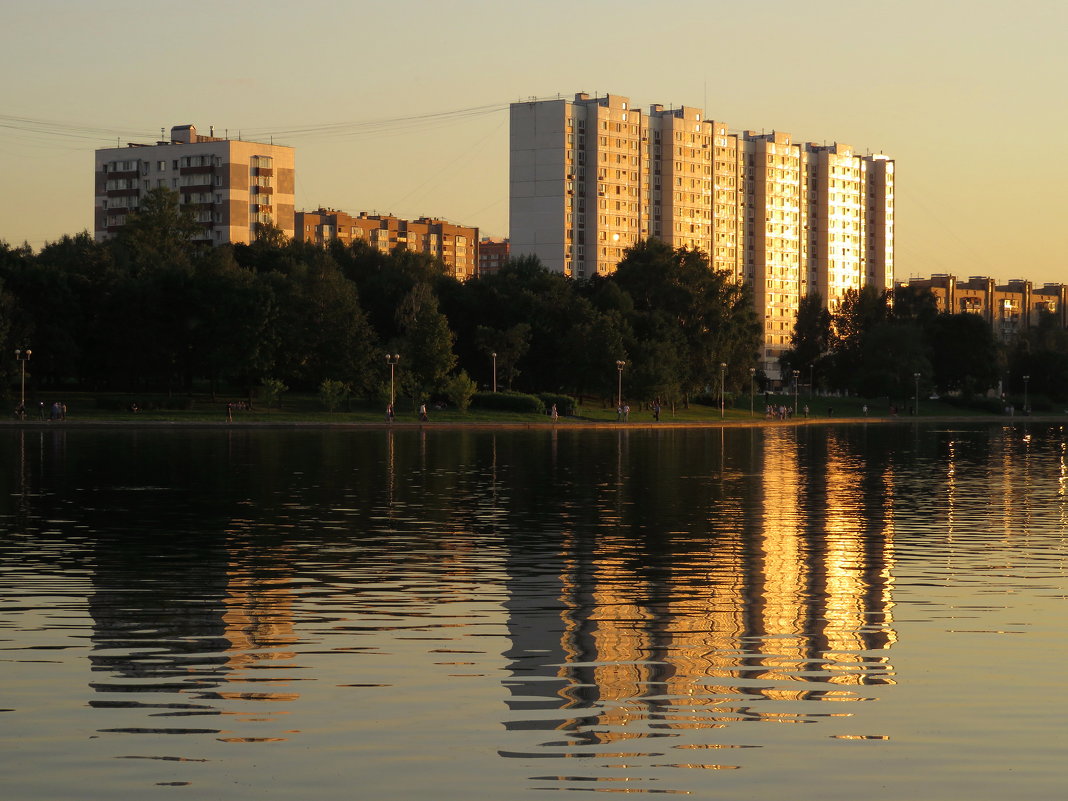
{"type": "Point", "coordinates": [712, 399]}
{"type": "Point", "coordinates": [333, 393]}
{"type": "Point", "coordinates": [508, 402]}
{"type": "Point", "coordinates": [272, 390]}
{"type": "Point", "coordinates": [979, 404]}
{"type": "Point", "coordinates": [565, 404]}
{"type": "Point", "coordinates": [460, 389]}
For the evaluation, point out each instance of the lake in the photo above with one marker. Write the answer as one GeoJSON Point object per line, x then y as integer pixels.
{"type": "Point", "coordinates": [816, 612]}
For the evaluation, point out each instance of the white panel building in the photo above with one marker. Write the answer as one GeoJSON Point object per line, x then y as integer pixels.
{"type": "Point", "coordinates": [591, 176]}
{"type": "Point", "coordinates": [231, 186]}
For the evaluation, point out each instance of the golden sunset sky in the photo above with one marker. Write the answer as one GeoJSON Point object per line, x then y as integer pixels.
{"type": "Point", "coordinates": [400, 106]}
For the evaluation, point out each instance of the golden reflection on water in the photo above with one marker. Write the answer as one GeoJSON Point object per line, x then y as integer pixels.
{"type": "Point", "coordinates": [791, 601]}
{"type": "Point", "coordinates": [646, 597]}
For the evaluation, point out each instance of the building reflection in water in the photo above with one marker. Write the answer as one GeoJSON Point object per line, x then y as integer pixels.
{"type": "Point", "coordinates": [208, 638]}
{"type": "Point", "coordinates": [784, 597]}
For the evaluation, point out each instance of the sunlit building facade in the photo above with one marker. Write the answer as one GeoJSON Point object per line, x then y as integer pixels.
{"type": "Point", "coordinates": [1010, 308]}
{"type": "Point", "coordinates": [454, 245]}
{"type": "Point", "coordinates": [493, 254]}
{"type": "Point", "coordinates": [589, 177]}
{"type": "Point", "coordinates": [233, 188]}
{"type": "Point", "coordinates": [773, 196]}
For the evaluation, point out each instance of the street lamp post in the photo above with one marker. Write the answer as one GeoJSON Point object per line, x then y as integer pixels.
{"type": "Point", "coordinates": [391, 360]}
{"type": "Point", "coordinates": [916, 376]}
{"type": "Point", "coordinates": [796, 374]}
{"type": "Point", "coordinates": [722, 374]}
{"type": "Point", "coordinates": [23, 356]}
{"type": "Point", "coordinates": [752, 376]}
{"type": "Point", "coordinates": [620, 364]}
{"type": "Point", "coordinates": [494, 357]}
{"type": "Point", "coordinates": [1026, 378]}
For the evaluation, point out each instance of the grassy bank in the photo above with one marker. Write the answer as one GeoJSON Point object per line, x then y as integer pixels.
{"type": "Point", "coordinates": [298, 408]}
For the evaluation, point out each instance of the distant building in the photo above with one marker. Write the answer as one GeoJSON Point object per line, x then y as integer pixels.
{"type": "Point", "coordinates": [455, 245]}
{"type": "Point", "coordinates": [1009, 308]}
{"type": "Point", "coordinates": [590, 177]}
{"type": "Point", "coordinates": [232, 186]}
{"type": "Point", "coordinates": [492, 255]}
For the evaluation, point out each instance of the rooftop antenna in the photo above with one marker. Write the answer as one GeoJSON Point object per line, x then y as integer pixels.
{"type": "Point", "coordinates": [162, 133]}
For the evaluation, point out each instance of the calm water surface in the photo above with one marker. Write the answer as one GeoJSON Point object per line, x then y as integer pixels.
{"type": "Point", "coordinates": [866, 612]}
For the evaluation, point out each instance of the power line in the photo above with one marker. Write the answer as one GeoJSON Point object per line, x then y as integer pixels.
{"type": "Point", "coordinates": [346, 129]}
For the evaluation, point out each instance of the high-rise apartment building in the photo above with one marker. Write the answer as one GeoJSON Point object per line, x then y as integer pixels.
{"type": "Point", "coordinates": [849, 221]}
{"type": "Point", "coordinates": [455, 245]}
{"type": "Point", "coordinates": [592, 176]}
{"type": "Point", "coordinates": [773, 177]}
{"type": "Point", "coordinates": [232, 186]}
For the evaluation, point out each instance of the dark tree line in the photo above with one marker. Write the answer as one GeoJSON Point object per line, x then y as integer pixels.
{"type": "Point", "coordinates": [151, 310]}
{"type": "Point", "coordinates": [877, 341]}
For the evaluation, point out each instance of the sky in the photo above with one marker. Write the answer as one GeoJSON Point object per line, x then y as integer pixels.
{"type": "Point", "coordinates": [400, 106]}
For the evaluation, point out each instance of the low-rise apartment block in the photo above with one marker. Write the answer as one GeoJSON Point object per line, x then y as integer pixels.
{"type": "Point", "coordinates": [232, 187]}
{"type": "Point", "coordinates": [455, 245]}
{"type": "Point", "coordinates": [1010, 308]}
{"type": "Point", "coordinates": [492, 255]}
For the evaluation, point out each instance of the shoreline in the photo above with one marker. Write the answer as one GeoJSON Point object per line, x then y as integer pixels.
{"type": "Point", "coordinates": [570, 425]}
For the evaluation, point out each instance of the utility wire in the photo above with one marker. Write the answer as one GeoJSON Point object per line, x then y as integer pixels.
{"type": "Point", "coordinates": [387, 126]}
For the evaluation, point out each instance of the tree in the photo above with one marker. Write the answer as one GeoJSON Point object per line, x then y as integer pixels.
{"type": "Point", "coordinates": [858, 313]}
{"type": "Point", "coordinates": [273, 389]}
{"type": "Point", "coordinates": [333, 393]}
{"type": "Point", "coordinates": [426, 343]}
{"type": "Point", "coordinates": [318, 328]}
{"type": "Point", "coordinates": [460, 389]}
{"type": "Point", "coordinates": [811, 337]}
{"type": "Point", "coordinates": [159, 233]}
{"type": "Point", "coordinates": [964, 355]}
{"type": "Point", "coordinates": [509, 346]}
{"type": "Point", "coordinates": [702, 316]}
{"type": "Point", "coordinates": [891, 354]}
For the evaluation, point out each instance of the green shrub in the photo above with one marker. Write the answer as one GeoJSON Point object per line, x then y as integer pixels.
{"type": "Point", "coordinates": [508, 402]}
{"type": "Point", "coordinates": [565, 404]}
{"type": "Point", "coordinates": [985, 405]}
{"type": "Point", "coordinates": [460, 389]}
{"type": "Point", "coordinates": [272, 390]}
{"type": "Point", "coordinates": [333, 393]}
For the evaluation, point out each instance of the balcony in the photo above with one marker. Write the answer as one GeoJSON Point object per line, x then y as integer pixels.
{"type": "Point", "coordinates": [205, 170]}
